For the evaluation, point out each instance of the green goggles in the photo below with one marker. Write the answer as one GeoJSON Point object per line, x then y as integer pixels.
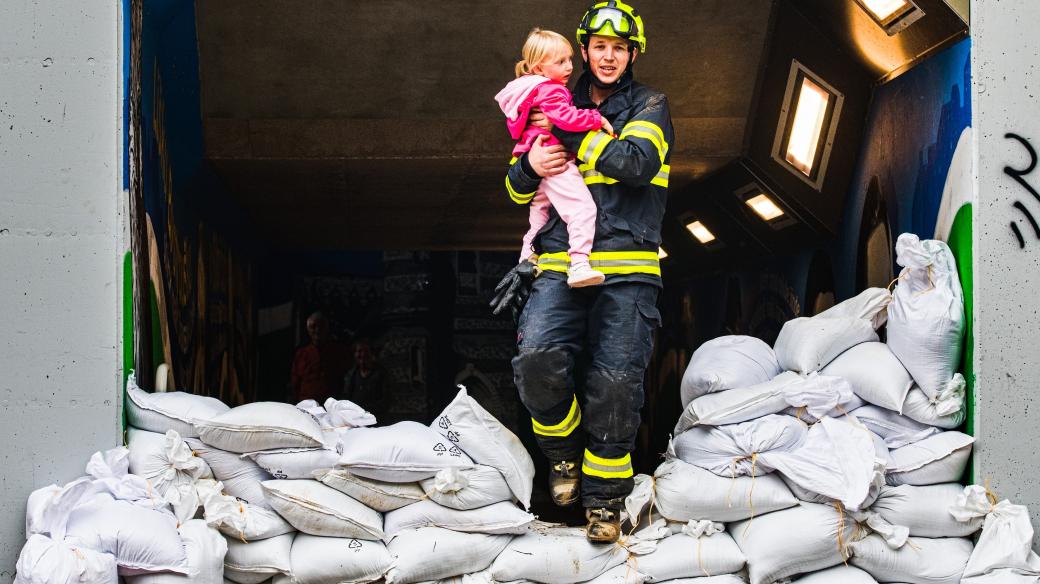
{"type": "Point", "coordinates": [621, 24]}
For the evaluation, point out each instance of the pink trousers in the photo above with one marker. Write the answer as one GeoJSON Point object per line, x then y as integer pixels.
{"type": "Point", "coordinates": [567, 193]}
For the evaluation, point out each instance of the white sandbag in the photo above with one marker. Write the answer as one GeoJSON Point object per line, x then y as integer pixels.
{"type": "Point", "coordinates": [314, 508]}
{"type": "Point", "coordinates": [798, 540]}
{"type": "Point", "coordinates": [803, 494]}
{"type": "Point", "coordinates": [404, 452]}
{"type": "Point", "coordinates": [925, 510]}
{"type": "Point", "coordinates": [240, 475]}
{"type": "Point", "coordinates": [483, 438]}
{"type": "Point", "coordinates": [236, 518]}
{"type": "Point", "coordinates": [921, 561]}
{"type": "Point", "coordinates": [1003, 554]}
{"type": "Point", "coordinates": [432, 553]}
{"type": "Point", "coordinates": [338, 414]}
{"type": "Point", "coordinates": [926, 319]}
{"type": "Point", "coordinates": [48, 508]}
{"type": "Point", "coordinates": [468, 488]}
{"type": "Point", "coordinates": [110, 471]}
{"type": "Point", "coordinates": [623, 574]}
{"type": "Point", "coordinates": [141, 539]}
{"type": "Point", "coordinates": [737, 449]}
{"type": "Point", "coordinates": [205, 548]}
{"type": "Point", "coordinates": [937, 459]}
{"type": "Point", "coordinates": [331, 560]}
{"type": "Point", "coordinates": [295, 463]}
{"type": "Point", "coordinates": [684, 492]}
{"type": "Point", "coordinates": [724, 579]}
{"type": "Point", "coordinates": [683, 556]}
{"type": "Point", "coordinates": [164, 460]}
{"type": "Point", "coordinates": [44, 561]}
{"type": "Point", "coordinates": [725, 363]}
{"type": "Point", "coordinates": [261, 426]}
{"type": "Point", "coordinates": [254, 562]}
{"type": "Point", "coordinates": [809, 344]}
{"type": "Point", "coordinates": [802, 413]}
{"type": "Point", "coordinates": [378, 495]}
{"type": "Point", "coordinates": [896, 430]}
{"type": "Point", "coordinates": [175, 410]}
{"type": "Point", "coordinates": [555, 555]}
{"type": "Point", "coordinates": [838, 575]}
{"type": "Point", "coordinates": [874, 373]}
{"type": "Point", "coordinates": [946, 410]}
{"type": "Point", "coordinates": [499, 518]}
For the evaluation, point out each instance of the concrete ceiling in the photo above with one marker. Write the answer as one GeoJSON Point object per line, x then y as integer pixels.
{"type": "Point", "coordinates": [364, 125]}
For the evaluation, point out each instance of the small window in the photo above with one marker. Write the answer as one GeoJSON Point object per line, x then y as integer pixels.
{"type": "Point", "coordinates": [808, 122]}
{"type": "Point", "coordinates": [892, 15]}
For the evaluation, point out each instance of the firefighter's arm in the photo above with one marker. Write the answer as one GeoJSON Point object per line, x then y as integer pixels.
{"type": "Point", "coordinates": [526, 171]}
{"type": "Point", "coordinates": [637, 156]}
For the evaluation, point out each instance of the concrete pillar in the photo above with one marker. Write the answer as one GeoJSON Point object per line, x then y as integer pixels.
{"type": "Point", "coordinates": [61, 242]}
{"type": "Point", "coordinates": [1006, 89]}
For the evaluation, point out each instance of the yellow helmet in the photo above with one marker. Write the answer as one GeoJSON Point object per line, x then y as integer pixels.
{"type": "Point", "coordinates": [613, 18]}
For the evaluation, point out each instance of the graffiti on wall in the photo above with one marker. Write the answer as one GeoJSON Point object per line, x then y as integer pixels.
{"type": "Point", "coordinates": [1019, 175]}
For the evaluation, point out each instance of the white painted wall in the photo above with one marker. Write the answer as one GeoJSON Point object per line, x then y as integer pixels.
{"type": "Point", "coordinates": [61, 238]}
{"type": "Point", "coordinates": [1006, 72]}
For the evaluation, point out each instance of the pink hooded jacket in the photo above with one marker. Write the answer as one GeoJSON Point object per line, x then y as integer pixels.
{"type": "Point", "coordinates": [553, 98]}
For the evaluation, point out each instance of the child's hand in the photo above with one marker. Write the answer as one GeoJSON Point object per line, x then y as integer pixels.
{"type": "Point", "coordinates": [539, 120]}
{"type": "Point", "coordinates": [607, 127]}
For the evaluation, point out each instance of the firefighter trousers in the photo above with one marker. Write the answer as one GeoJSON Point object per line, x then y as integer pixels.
{"type": "Point", "coordinates": [582, 357]}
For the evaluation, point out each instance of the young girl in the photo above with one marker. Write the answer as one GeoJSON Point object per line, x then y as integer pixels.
{"type": "Point", "coordinates": [541, 82]}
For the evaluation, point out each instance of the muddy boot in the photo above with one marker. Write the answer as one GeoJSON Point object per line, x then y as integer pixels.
{"type": "Point", "coordinates": [564, 483]}
{"type": "Point", "coordinates": [604, 525]}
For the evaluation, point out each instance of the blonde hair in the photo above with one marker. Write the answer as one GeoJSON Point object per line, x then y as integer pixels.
{"type": "Point", "coordinates": [541, 45]}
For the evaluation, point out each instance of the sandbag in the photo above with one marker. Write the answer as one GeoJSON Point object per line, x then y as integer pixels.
{"type": "Point", "coordinates": [44, 561]}
{"type": "Point", "coordinates": [240, 475]}
{"type": "Point", "coordinates": [840, 410]}
{"type": "Point", "coordinates": [874, 374]}
{"type": "Point", "coordinates": [1003, 554]}
{"type": "Point", "coordinates": [378, 495]}
{"type": "Point", "coordinates": [941, 458]}
{"type": "Point", "coordinates": [684, 492]}
{"type": "Point", "coordinates": [465, 489]}
{"type": "Point", "coordinates": [803, 494]}
{"type": "Point", "coordinates": [466, 424]}
{"type": "Point", "coordinates": [623, 574]}
{"type": "Point", "coordinates": [925, 510]}
{"type": "Point", "coordinates": [737, 449]}
{"type": "Point", "coordinates": [725, 363]}
{"type": "Point", "coordinates": [838, 575]}
{"type": "Point", "coordinates": [261, 426]}
{"type": "Point", "coordinates": [798, 540]}
{"type": "Point", "coordinates": [404, 452]}
{"type": "Point", "coordinates": [295, 463]}
{"type": "Point", "coordinates": [141, 539]}
{"type": "Point", "coordinates": [683, 556]}
{"type": "Point", "coordinates": [499, 518]}
{"type": "Point", "coordinates": [110, 471]}
{"type": "Point", "coordinates": [926, 319]}
{"type": "Point", "coordinates": [165, 461]}
{"type": "Point", "coordinates": [946, 410]}
{"type": "Point", "coordinates": [237, 518]}
{"type": "Point", "coordinates": [205, 548]}
{"type": "Point", "coordinates": [314, 508]}
{"type": "Point", "coordinates": [331, 560]}
{"type": "Point", "coordinates": [175, 410]}
{"type": "Point", "coordinates": [555, 555]}
{"type": "Point", "coordinates": [896, 430]}
{"type": "Point", "coordinates": [254, 562]}
{"type": "Point", "coordinates": [432, 553]}
{"type": "Point", "coordinates": [809, 344]}
{"type": "Point", "coordinates": [921, 561]}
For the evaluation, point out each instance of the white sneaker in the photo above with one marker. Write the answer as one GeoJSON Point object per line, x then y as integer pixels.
{"type": "Point", "coordinates": [581, 275]}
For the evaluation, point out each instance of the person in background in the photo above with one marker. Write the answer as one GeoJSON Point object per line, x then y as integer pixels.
{"type": "Point", "coordinates": [318, 367]}
{"type": "Point", "coordinates": [363, 384]}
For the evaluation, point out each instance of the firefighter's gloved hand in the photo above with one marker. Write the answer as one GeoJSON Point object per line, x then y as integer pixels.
{"type": "Point", "coordinates": [514, 288]}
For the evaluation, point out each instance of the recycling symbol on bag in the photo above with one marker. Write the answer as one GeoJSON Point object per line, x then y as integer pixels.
{"type": "Point", "coordinates": [354, 545]}
{"type": "Point", "coordinates": [455, 451]}
{"type": "Point", "coordinates": [444, 422]}
{"type": "Point", "coordinates": [439, 449]}
{"type": "Point", "coordinates": [453, 437]}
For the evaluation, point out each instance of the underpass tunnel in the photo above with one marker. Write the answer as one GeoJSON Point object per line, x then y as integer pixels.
{"type": "Point", "coordinates": [348, 158]}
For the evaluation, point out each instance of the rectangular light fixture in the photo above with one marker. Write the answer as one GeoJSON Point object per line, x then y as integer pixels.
{"type": "Point", "coordinates": [698, 230]}
{"type": "Point", "coordinates": [807, 126]}
{"type": "Point", "coordinates": [892, 15]}
{"type": "Point", "coordinates": [883, 9]}
{"type": "Point", "coordinates": [764, 207]}
{"type": "Point", "coordinates": [661, 253]}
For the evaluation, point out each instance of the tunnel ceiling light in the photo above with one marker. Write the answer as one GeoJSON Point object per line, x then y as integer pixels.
{"type": "Point", "coordinates": [764, 207]}
{"type": "Point", "coordinates": [698, 230]}
{"type": "Point", "coordinates": [807, 125]}
{"type": "Point", "coordinates": [661, 253]}
{"type": "Point", "coordinates": [892, 15]}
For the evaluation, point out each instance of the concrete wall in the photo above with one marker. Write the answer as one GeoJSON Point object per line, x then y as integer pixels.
{"type": "Point", "coordinates": [61, 238]}
{"type": "Point", "coordinates": [1006, 91]}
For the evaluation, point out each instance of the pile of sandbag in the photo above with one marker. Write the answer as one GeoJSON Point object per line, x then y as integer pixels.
{"type": "Point", "coordinates": [835, 456]}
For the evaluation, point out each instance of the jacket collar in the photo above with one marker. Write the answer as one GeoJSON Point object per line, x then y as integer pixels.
{"type": "Point", "coordinates": [615, 103]}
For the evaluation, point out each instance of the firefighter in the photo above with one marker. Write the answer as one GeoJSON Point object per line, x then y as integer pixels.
{"type": "Point", "coordinates": [583, 353]}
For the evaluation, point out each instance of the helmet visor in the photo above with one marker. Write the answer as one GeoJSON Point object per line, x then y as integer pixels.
{"type": "Point", "coordinates": [620, 23]}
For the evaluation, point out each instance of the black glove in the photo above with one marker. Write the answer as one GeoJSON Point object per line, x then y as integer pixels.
{"type": "Point", "coordinates": [514, 288]}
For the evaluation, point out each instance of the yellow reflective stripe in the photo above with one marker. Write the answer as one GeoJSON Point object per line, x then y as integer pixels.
{"type": "Point", "coordinates": [648, 126]}
{"type": "Point", "coordinates": [597, 150]}
{"type": "Point", "coordinates": [608, 468]}
{"type": "Point", "coordinates": [518, 198]}
{"type": "Point", "coordinates": [662, 149]}
{"type": "Point", "coordinates": [564, 428]}
{"type": "Point", "coordinates": [661, 179]}
{"type": "Point", "coordinates": [608, 262]}
{"type": "Point", "coordinates": [592, 146]}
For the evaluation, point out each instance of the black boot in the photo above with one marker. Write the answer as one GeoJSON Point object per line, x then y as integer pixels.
{"type": "Point", "coordinates": [564, 483]}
